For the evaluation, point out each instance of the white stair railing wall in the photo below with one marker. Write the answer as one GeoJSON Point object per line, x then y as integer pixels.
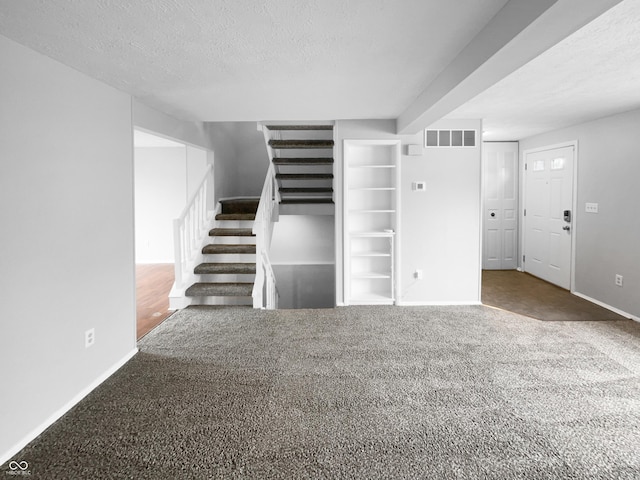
{"type": "Point", "coordinates": [190, 231]}
{"type": "Point", "coordinates": [265, 293]}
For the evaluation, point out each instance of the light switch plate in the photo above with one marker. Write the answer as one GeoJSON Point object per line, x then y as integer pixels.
{"type": "Point", "coordinates": [591, 207]}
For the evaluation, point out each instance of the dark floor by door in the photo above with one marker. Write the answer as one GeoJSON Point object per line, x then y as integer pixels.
{"type": "Point", "coordinates": [525, 294]}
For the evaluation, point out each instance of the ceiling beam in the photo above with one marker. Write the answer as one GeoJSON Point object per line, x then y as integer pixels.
{"type": "Point", "coordinates": [519, 32]}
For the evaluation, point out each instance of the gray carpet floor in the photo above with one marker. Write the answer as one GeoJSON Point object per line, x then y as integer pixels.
{"type": "Point", "coordinates": [360, 392]}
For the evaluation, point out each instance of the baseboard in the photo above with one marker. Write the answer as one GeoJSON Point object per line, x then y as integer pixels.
{"type": "Point", "coordinates": [438, 304]}
{"type": "Point", "coordinates": [33, 434]}
{"type": "Point", "coordinates": [303, 263]}
{"type": "Point", "coordinates": [608, 307]}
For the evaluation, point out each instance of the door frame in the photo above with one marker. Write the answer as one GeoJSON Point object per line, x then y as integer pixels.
{"type": "Point", "coordinates": [518, 181]}
{"type": "Point", "coordinates": [574, 204]}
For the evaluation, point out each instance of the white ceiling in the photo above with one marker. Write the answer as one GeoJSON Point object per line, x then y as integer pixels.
{"type": "Point", "coordinates": [248, 60]}
{"type": "Point", "coordinates": [591, 74]}
{"type": "Point", "coordinates": [245, 60]}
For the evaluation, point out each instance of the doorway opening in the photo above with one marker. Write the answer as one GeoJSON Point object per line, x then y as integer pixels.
{"type": "Point", "coordinates": [528, 239]}
{"type": "Point", "coordinates": [166, 173]}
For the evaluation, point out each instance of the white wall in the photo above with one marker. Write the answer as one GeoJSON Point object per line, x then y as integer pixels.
{"type": "Point", "coordinates": [302, 254]}
{"type": "Point", "coordinates": [303, 239]}
{"type": "Point", "coordinates": [241, 149]}
{"type": "Point", "coordinates": [305, 286]}
{"type": "Point", "coordinates": [161, 179]}
{"type": "Point", "coordinates": [241, 160]}
{"type": "Point", "coordinates": [440, 228]}
{"type": "Point", "coordinates": [607, 243]}
{"type": "Point", "coordinates": [154, 121]}
{"type": "Point", "coordinates": [196, 166]}
{"type": "Point", "coordinates": [200, 142]}
{"type": "Point", "coordinates": [67, 243]}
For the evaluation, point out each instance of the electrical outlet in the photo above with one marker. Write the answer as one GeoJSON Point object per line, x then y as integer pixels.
{"type": "Point", "coordinates": [417, 274]}
{"type": "Point", "coordinates": [619, 279]}
{"type": "Point", "coordinates": [89, 337]}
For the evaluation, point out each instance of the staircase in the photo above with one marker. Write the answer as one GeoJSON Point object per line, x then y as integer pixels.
{"type": "Point", "coordinates": [303, 159]}
{"type": "Point", "coordinates": [227, 274]}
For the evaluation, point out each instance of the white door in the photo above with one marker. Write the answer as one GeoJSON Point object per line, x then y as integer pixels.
{"type": "Point", "coordinates": [548, 214]}
{"type": "Point", "coordinates": [500, 187]}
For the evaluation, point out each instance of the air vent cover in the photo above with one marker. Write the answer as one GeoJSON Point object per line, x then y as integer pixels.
{"type": "Point", "coordinates": [450, 138]}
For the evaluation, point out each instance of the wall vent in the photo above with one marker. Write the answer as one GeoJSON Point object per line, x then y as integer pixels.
{"type": "Point", "coordinates": [450, 138]}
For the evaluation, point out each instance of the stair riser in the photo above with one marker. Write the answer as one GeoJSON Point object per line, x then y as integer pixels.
{"type": "Point", "coordinates": [307, 209]}
{"type": "Point", "coordinates": [306, 184]}
{"type": "Point", "coordinates": [305, 169]}
{"type": "Point", "coordinates": [226, 277]}
{"type": "Point", "coordinates": [230, 258]}
{"type": "Point", "coordinates": [234, 223]}
{"type": "Point", "coordinates": [232, 240]}
{"type": "Point", "coordinates": [220, 301]}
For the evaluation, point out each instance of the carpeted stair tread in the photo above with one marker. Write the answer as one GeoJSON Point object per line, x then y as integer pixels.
{"type": "Point", "coordinates": [303, 161]}
{"type": "Point", "coordinates": [231, 232]}
{"type": "Point", "coordinates": [306, 190]}
{"type": "Point", "coordinates": [220, 290]}
{"type": "Point", "coordinates": [300, 127]}
{"type": "Point", "coordinates": [301, 143]}
{"type": "Point", "coordinates": [236, 216]}
{"type": "Point", "coordinates": [305, 200]}
{"type": "Point", "coordinates": [239, 205]}
{"type": "Point", "coordinates": [224, 268]}
{"type": "Point", "coordinates": [304, 176]}
{"type": "Point", "coordinates": [223, 248]}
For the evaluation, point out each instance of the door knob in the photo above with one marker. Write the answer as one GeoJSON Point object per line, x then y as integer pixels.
{"type": "Point", "coordinates": [566, 227]}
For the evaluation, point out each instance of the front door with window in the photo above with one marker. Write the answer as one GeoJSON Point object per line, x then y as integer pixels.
{"type": "Point", "coordinates": [548, 221]}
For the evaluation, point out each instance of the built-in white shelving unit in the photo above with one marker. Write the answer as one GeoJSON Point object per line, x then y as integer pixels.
{"type": "Point", "coordinates": [370, 215]}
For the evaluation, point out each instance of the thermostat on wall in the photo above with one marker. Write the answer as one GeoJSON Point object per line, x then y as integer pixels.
{"type": "Point", "coordinates": [414, 149]}
{"type": "Point", "coordinates": [419, 186]}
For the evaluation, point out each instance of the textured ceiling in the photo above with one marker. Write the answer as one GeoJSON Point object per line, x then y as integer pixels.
{"type": "Point", "coordinates": [591, 74]}
{"type": "Point", "coordinates": [229, 60]}
{"type": "Point", "coordinates": [248, 60]}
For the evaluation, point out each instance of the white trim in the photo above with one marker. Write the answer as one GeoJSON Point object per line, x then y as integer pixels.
{"type": "Point", "coordinates": [481, 191]}
{"type": "Point", "coordinates": [338, 199]}
{"type": "Point", "coordinates": [309, 263]}
{"type": "Point", "coordinates": [608, 307]}
{"type": "Point", "coordinates": [33, 434]}
{"type": "Point", "coordinates": [439, 304]}
{"type": "Point", "coordinates": [574, 205]}
{"type": "Point", "coordinates": [396, 263]}
{"type": "Point", "coordinates": [288, 123]}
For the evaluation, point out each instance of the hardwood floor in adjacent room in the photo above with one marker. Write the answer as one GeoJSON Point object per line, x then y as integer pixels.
{"type": "Point", "coordinates": [153, 284]}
